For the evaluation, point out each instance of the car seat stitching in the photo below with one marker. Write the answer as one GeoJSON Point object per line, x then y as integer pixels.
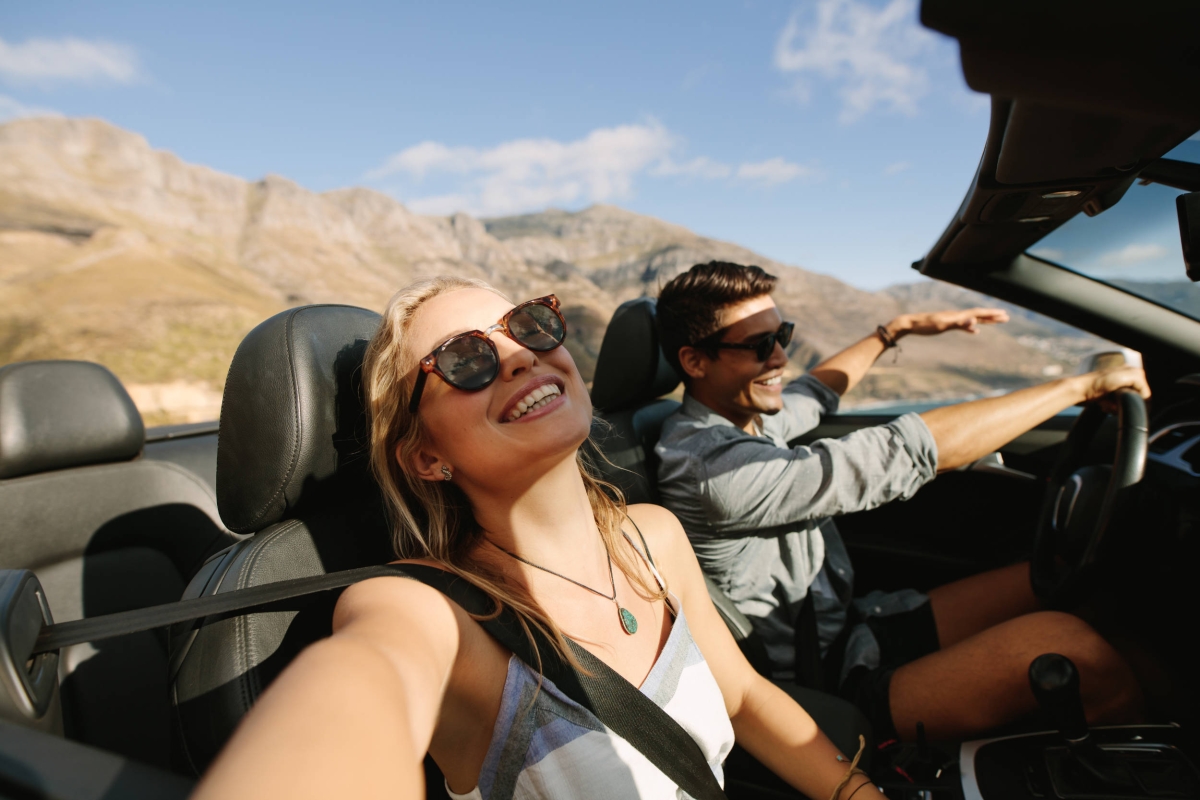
{"type": "Point", "coordinates": [297, 434]}
{"type": "Point", "coordinates": [252, 685]}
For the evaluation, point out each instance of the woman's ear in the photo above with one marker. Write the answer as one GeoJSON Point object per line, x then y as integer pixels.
{"type": "Point", "coordinates": [693, 361]}
{"type": "Point", "coordinates": [426, 465]}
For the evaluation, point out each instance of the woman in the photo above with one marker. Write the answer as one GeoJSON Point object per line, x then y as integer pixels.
{"type": "Point", "coordinates": [477, 418]}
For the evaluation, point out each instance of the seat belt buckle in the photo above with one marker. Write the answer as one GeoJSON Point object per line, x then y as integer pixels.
{"type": "Point", "coordinates": [29, 693]}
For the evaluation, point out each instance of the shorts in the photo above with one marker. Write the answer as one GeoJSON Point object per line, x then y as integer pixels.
{"type": "Point", "coordinates": [903, 638]}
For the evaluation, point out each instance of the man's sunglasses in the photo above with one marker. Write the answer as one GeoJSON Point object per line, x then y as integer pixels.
{"type": "Point", "coordinates": [762, 348]}
{"type": "Point", "coordinates": [470, 361]}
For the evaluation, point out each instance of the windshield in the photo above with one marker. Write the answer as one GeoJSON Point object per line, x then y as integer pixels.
{"type": "Point", "coordinates": [1134, 245]}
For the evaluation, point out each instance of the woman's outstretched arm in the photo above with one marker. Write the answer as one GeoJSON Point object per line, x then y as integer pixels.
{"type": "Point", "coordinates": [352, 716]}
{"type": "Point", "coordinates": [766, 721]}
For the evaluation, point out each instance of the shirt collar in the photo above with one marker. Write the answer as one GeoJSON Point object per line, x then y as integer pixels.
{"type": "Point", "coordinates": [705, 415]}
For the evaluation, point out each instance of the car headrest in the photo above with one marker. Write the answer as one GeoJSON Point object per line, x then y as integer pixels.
{"type": "Point", "coordinates": [292, 419]}
{"type": "Point", "coordinates": [631, 368]}
{"type": "Point", "coordinates": [59, 414]}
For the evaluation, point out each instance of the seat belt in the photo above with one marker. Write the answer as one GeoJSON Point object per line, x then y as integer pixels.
{"type": "Point", "coordinates": [807, 639]}
{"type": "Point", "coordinates": [615, 701]}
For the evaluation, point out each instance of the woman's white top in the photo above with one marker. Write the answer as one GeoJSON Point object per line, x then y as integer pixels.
{"type": "Point", "coordinates": [546, 745]}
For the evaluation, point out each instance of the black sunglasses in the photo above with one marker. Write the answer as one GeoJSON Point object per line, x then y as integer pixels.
{"type": "Point", "coordinates": [762, 348]}
{"type": "Point", "coordinates": [470, 361]}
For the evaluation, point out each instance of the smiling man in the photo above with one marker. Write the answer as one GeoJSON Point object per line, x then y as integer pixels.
{"type": "Point", "coordinates": [758, 515]}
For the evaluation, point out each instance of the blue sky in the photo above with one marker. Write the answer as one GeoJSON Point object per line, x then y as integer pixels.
{"type": "Point", "coordinates": [836, 135]}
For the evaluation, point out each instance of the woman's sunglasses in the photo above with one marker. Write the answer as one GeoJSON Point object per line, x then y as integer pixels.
{"type": "Point", "coordinates": [762, 348]}
{"type": "Point", "coordinates": [470, 361]}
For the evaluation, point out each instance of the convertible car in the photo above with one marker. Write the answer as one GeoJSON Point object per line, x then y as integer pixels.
{"type": "Point", "coordinates": [1091, 152]}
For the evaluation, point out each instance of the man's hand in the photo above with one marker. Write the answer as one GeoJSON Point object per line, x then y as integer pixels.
{"type": "Point", "coordinates": [1101, 384]}
{"type": "Point", "coordinates": [930, 323]}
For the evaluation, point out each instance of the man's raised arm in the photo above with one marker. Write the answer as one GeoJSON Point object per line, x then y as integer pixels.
{"type": "Point", "coordinates": [842, 371]}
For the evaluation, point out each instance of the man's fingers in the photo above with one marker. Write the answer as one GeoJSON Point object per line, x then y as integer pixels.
{"type": "Point", "coordinates": [990, 315]}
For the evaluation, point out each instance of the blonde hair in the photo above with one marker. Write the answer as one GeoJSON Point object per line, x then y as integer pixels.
{"type": "Point", "coordinates": [434, 519]}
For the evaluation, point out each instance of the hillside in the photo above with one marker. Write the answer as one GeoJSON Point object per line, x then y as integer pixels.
{"type": "Point", "coordinates": [115, 252]}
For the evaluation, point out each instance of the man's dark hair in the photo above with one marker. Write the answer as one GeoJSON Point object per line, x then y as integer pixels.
{"type": "Point", "coordinates": [689, 305]}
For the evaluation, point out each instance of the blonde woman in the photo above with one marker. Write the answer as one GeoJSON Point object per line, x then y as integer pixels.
{"type": "Point", "coordinates": [477, 419]}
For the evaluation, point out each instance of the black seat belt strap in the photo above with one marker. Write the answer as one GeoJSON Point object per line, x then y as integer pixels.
{"type": "Point", "coordinates": [615, 701]}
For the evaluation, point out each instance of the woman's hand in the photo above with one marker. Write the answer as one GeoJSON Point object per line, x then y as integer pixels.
{"type": "Point", "coordinates": [930, 323]}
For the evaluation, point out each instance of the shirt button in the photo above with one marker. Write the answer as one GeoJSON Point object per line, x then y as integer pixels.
{"type": "Point", "coordinates": [878, 610]}
{"type": "Point", "coordinates": [841, 571]}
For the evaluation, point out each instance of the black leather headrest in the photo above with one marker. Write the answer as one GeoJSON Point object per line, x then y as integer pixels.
{"type": "Point", "coordinates": [292, 420]}
{"type": "Point", "coordinates": [631, 369]}
{"type": "Point", "coordinates": [59, 414]}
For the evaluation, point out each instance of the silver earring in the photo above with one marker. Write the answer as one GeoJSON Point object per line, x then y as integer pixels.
{"type": "Point", "coordinates": [446, 473]}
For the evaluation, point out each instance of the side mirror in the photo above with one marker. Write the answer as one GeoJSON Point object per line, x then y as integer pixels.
{"type": "Point", "coordinates": [1188, 207]}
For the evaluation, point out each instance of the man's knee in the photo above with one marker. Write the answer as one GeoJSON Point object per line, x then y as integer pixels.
{"type": "Point", "coordinates": [1106, 681]}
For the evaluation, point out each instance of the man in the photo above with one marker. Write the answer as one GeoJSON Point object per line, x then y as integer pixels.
{"type": "Point", "coordinates": [757, 513]}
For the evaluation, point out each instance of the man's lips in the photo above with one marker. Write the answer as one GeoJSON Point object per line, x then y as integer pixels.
{"type": "Point", "coordinates": [771, 382]}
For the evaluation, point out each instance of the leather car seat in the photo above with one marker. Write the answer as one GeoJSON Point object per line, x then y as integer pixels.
{"type": "Point", "coordinates": [632, 375]}
{"type": "Point", "coordinates": [105, 530]}
{"type": "Point", "coordinates": [292, 469]}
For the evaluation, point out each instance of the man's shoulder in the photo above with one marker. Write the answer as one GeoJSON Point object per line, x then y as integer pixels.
{"type": "Point", "coordinates": [689, 434]}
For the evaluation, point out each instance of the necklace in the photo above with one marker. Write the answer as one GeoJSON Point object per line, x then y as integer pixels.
{"type": "Point", "coordinates": [628, 620]}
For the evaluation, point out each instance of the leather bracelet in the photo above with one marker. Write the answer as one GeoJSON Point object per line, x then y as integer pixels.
{"type": "Point", "coordinates": [852, 771]}
{"type": "Point", "coordinates": [888, 340]}
{"type": "Point", "coordinates": [861, 785]}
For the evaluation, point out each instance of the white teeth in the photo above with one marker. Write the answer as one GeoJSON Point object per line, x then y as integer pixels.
{"type": "Point", "coordinates": [778, 379]}
{"type": "Point", "coordinates": [537, 398]}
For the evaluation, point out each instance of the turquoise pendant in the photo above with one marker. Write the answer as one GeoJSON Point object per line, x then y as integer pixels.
{"type": "Point", "coordinates": [628, 620]}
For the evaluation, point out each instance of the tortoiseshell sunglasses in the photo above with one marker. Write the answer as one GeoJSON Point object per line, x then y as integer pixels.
{"type": "Point", "coordinates": [470, 361]}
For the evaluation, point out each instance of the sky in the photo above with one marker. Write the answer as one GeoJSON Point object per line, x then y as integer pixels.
{"type": "Point", "coordinates": [836, 135]}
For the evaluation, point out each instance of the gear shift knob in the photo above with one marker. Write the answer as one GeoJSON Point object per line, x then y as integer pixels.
{"type": "Point", "coordinates": [1055, 684]}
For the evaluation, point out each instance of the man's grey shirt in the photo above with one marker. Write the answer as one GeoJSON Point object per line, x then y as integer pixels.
{"type": "Point", "coordinates": [757, 511]}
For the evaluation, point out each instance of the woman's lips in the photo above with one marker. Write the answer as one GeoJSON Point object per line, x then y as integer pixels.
{"type": "Point", "coordinates": [524, 393]}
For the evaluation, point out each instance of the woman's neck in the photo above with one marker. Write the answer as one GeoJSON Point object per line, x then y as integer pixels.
{"type": "Point", "coordinates": [549, 522]}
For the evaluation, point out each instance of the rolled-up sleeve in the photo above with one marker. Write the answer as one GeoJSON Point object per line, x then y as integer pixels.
{"type": "Point", "coordinates": [804, 401]}
{"type": "Point", "coordinates": [751, 484]}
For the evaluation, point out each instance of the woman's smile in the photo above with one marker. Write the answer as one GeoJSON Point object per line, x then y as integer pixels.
{"type": "Point", "coordinates": [539, 397]}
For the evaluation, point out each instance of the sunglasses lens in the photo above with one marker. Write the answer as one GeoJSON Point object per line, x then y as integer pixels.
{"type": "Point", "coordinates": [468, 362]}
{"type": "Point", "coordinates": [537, 327]}
{"type": "Point", "coordinates": [765, 348]}
{"type": "Point", "coordinates": [784, 336]}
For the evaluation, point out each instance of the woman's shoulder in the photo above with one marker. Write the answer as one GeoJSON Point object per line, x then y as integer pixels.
{"type": "Point", "coordinates": [401, 601]}
{"type": "Point", "coordinates": [665, 537]}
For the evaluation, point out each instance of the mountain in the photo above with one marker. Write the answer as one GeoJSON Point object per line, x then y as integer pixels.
{"type": "Point", "coordinates": [115, 252]}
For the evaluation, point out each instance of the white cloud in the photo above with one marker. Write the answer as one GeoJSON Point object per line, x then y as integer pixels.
{"type": "Point", "coordinates": [67, 60]}
{"type": "Point", "coordinates": [11, 108]}
{"type": "Point", "coordinates": [897, 168]}
{"type": "Point", "coordinates": [533, 173]}
{"type": "Point", "coordinates": [1049, 254]}
{"type": "Point", "coordinates": [773, 171]}
{"type": "Point", "coordinates": [870, 52]}
{"type": "Point", "coordinates": [1132, 254]}
{"type": "Point", "coordinates": [699, 167]}
{"type": "Point", "coordinates": [527, 174]}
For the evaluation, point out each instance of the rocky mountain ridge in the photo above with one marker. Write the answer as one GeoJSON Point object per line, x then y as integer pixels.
{"type": "Point", "coordinates": [116, 252]}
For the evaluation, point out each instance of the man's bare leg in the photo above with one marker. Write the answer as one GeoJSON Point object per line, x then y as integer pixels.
{"type": "Point", "coordinates": [966, 607]}
{"type": "Point", "coordinates": [982, 681]}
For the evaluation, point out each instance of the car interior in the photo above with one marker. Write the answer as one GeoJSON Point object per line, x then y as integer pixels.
{"type": "Point", "coordinates": [103, 515]}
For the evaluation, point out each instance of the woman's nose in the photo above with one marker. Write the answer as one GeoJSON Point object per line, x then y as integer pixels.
{"type": "Point", "coordinates": [514, 359]}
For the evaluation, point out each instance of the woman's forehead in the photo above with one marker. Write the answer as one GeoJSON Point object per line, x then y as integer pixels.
{"type": "Point", "coordinates": [454, 312]}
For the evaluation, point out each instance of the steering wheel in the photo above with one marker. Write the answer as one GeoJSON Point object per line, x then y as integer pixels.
{"type": "Point", "coordinates": [1080, 501]}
